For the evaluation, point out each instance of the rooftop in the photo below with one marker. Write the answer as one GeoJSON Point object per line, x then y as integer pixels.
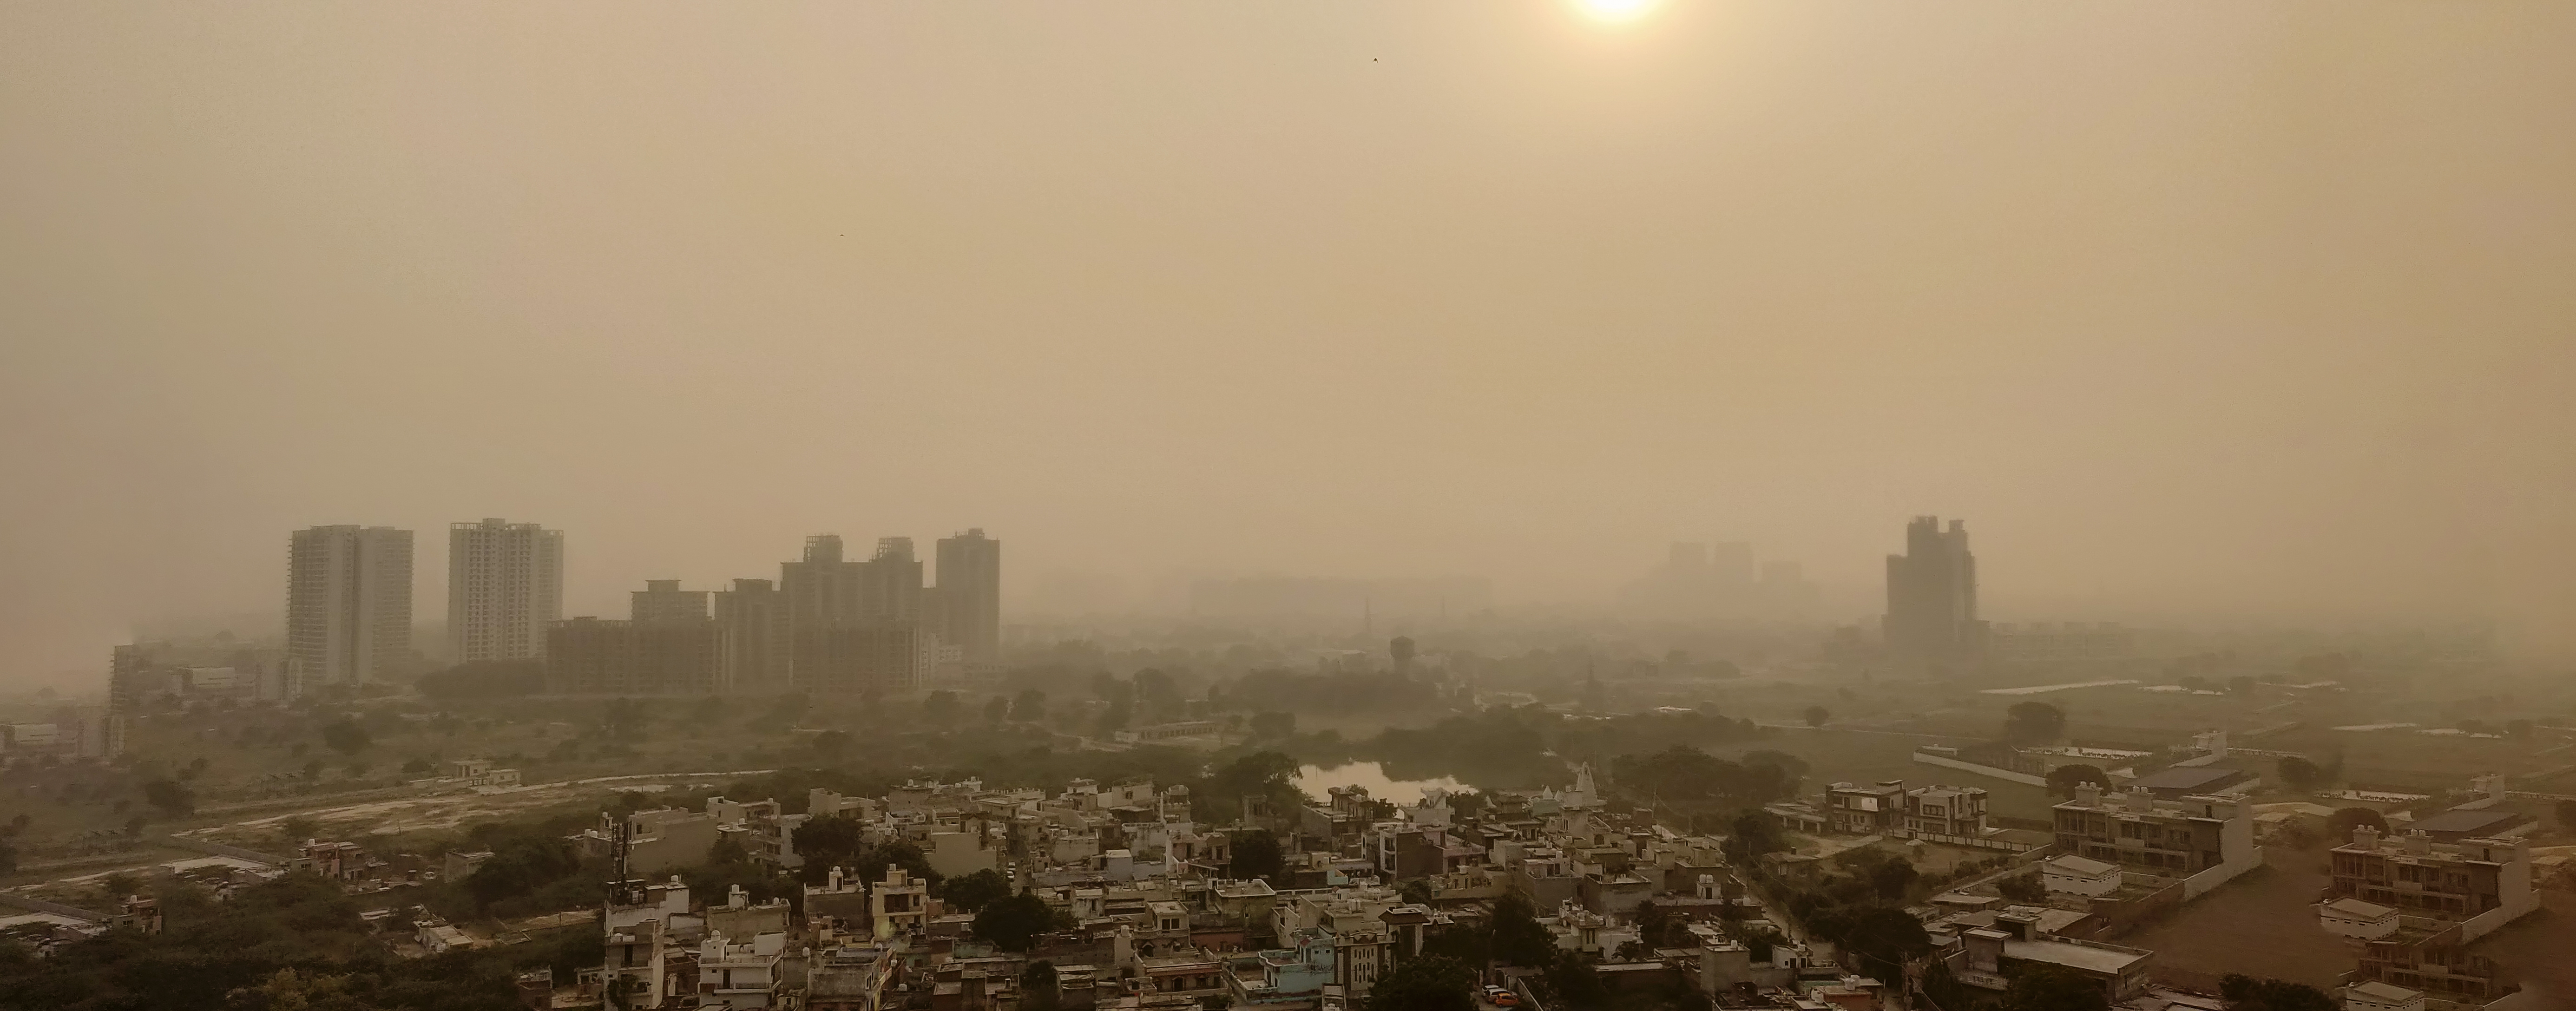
{"type": "Point", "coordinates": [2187, 779]}
{"type": "Point", "coordinates": [2073, 864]}
{"type": "Point", "coordinates": [2476, 822]}
{"type": "Point", "coordinates": [2106, 960]}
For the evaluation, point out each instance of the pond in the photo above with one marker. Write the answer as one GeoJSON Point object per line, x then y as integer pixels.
{"type": "Point", "coordinates": [1315, 779]}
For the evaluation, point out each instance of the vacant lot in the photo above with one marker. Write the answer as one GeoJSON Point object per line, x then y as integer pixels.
{"type": "Point", "coordinates": [2262, 924]}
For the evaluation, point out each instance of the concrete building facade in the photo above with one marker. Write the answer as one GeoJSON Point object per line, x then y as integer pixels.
{"type": "Point", "coordinates": [348, 602]}
{"type": "Point", "coordinates": [969, 611]}
{"type": "Point", "coordinates": [504, 589]}
{"type": "Point", "coordinates": [1932, 596]}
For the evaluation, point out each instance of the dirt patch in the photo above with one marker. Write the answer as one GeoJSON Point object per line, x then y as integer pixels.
{"type": "Point", "coordinates": [2261, 925]}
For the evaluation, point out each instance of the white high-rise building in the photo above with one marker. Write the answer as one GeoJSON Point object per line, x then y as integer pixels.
{"type": "Point", "coordinates": [348, 603]}
{"type": "Point", "coordinates": [504, 589]}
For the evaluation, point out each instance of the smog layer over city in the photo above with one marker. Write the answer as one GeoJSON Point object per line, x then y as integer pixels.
{"type": "Point", "coordinates": [1586, 505]}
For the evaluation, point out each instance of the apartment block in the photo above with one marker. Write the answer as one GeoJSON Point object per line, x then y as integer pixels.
{"type": "Point", "coordinates": [853, 659]}
{"type": "Point", "coordinates": [348, 602]}
{"type": "Point", "coordinates": [969, 612]}
{"type": "Point", "coordinates": [504, 589]}
{"type": "Point", "coordinates": [2417, 876]}
{"type": "Point", "coordinates": [2172, 838]}
{"type": "Point", "coordinates": [752, 622]}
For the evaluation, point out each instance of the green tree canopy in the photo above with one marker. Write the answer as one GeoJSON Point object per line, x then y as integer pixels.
{"type": "Point", "coordinates": [2247, 993]}
{"type": "Point", "coordinates": [973, 892]}
{"type": "Point", "coordinates": [2063, 779]}
{"type": "Point", "coordinates": [2037, 986]}
{"type": "Point", "coordinates": [1518, 937]}
{"type": "Point", "coordinates": [345, 737]}
{"type": "Point", "coordinates": [2032, 722]}
{"type": "Point", "coordinates": [1256, 854]}
{"type": "Point", "coordinates": [1425, 984]}
{"type": "Point", "coordinates": [2340, 824]}
{"type": "Point", "coordinates": [1013, 923]}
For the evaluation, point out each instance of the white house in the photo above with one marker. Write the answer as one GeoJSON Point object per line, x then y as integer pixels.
{"type": "Point", "coordinates": [2377, 996]}
{"type": "Point", "coordinates": [2357, 919]}
{"type": "Point", "coordinates": [2074, 875]}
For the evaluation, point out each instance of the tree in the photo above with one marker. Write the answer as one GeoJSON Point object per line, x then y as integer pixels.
{"type": "Point", "coordinates": [1030, 707]}
{"type": "Point", "coordinates": [2023, 888]}
{"type": "Point", "coordinates": [1750, 836]}
{"type": "Point", "coordinates": [830, 745]}
{"type": "Point", "coordinates": [8, 858]}
{"type": "Point", "coordinates": [418, 766]}
{"type": "Point", "coordinates": [2299, 773]}
{"type": "Point", "coordinates": [1416, 891]}
{"type": "Point", "coordinates": [2247, 993]}
{"type": "Point", "coordinates": [1884, 938]}
{"type": "Point", "coordinates": [727, 852]}
{"type": "Point", "coordinates": [345, 737]}
{"type": "Point", "coordinates": [2034, 722]}
{"type": "Point", "coordinates": [2038, 986]}
{"type": "Point", "coordinates": [486, 679]}
{"type": "Point", "coordinates": [1256, 854]}
{"type": "Point", "coordinates": [1040, 989]}
{"type": "Point", "coordinates": [1892, 880]}
{"type": "Point", "coordinates": [2567, 814]}
{"type": "Point", "coordinates": [1518, 937]}
{"type": "Point", "coordinates": [2062, 780]}
{"type": "Point", "coordinates": [2339, 825]}
{"type": "Point", "coordinates": [997, 710]}
{"type": "Point", "coordinates": [1273, 726]}
{"type": "Point", "coordinates": [172, 797]}
{"type": "Point", "coordinates": [1425, 984]}
{"type": "Point", "coordinates": [975, 891]}
{"type": "Point", "coordinates": [1817, 715]}
{"type": "Point", "coordinates": [1013, 922]}
{"type": "Point", "coordinates": [940, 708]}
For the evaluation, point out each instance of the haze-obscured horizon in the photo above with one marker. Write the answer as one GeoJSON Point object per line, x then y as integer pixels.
{"type": "Point", "coordinates": [2192, 312]}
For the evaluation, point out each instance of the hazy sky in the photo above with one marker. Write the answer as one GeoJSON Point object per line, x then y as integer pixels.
{"type": "Point", "coordinates": [2191, 309]}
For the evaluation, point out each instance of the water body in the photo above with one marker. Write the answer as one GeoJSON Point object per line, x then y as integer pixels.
{"type": "Point", "coordinates": [1315, 779]}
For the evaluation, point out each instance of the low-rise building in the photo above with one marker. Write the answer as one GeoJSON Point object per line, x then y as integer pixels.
{"type": "Point", "coordinates": [2074, 875]}
{"type": "Point", "coordinates": [2172, 838]}
{"type": "Point", "coordinates": [2367, 921]}
{"type": "Point", "coordinates": [2375, 996]}
{"type": "Point", "coordinates": [2445, 881]}
{"type": "Point", "coordinates": [1990, 955]}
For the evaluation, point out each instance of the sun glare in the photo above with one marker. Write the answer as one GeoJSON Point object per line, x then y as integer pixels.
{"type": "Point", "coordinates": [1617, 11]}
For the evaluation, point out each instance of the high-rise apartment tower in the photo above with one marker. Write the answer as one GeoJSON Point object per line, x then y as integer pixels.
{"type": "Point", "coordinates": [348, 602]}
{"type": "Point", "coordinates": [1932, 596]}
{"type": "Point", "coordinates": [504, 587]}
{"type": "Point", "coordinates": [969, 570]}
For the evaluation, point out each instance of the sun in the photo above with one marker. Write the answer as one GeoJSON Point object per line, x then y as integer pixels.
{"type": "Point", "coordinates": [1617, 11]}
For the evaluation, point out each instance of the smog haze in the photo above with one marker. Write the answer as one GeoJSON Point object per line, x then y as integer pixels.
{"type": "Point", "coordinates": [2194, 313]}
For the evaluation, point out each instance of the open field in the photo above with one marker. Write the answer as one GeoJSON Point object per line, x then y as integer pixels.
{"type": "Point", "coordinates": [2262, 924]}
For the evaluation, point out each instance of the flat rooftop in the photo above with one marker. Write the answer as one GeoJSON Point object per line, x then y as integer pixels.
{"type": "Point", "coordinates": [2109, 962]}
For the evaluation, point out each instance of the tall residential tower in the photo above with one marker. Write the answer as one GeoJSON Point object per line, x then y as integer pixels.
{"type": "Point", "coordinates": [969, 571]}
{"type": "Point", "coordinates": [348, 602]}
{"type": "Point", "coordinates": [504, 587]}
{"type": "Point", "coordinates": [1932, 596]}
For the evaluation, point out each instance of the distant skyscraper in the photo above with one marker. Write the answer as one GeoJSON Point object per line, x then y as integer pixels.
{"type": "Point", "coordinates": [970, 595]}
{"type": "Point", "coordinates": [890, 583]}
{"type": "Point", "coordinates": [753, 619]}
{"type": "Point", "coordinates": [821, 589]}
{"type": "Point", "coordinates": [663, 602]}
{"type": "Point", "coordinates": [504, 588]}
{"type": "Point", "coordinates": [1932, 596]}
{"type": "Point", "coordinates": [348, 603]}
